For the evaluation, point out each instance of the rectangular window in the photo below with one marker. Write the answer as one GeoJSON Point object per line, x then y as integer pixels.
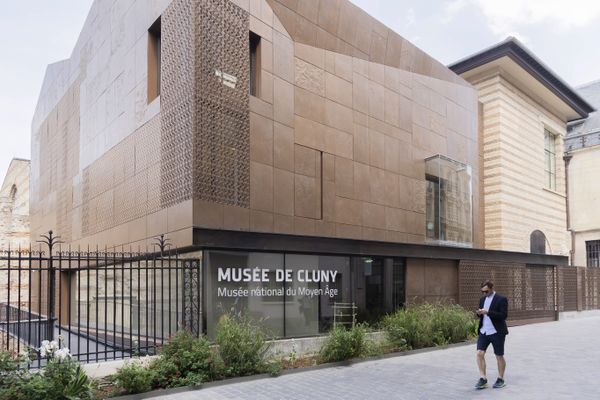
{"type": "Point", "coordinates": [448, 197]}
{"type": "Point", "coordinates": [154, 45]}
{"type": "Point", "coordinates": [254, 64]}
{"type": "Point", "coordinates": [592, 249]}
{"type": "Point", "coordinates": [550, 160]}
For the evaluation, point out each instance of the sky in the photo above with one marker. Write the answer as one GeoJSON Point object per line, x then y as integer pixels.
{"type": "Point", "coordinates": [563, 34]}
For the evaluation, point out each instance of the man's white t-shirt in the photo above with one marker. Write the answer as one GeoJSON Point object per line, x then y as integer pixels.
{"type": "Point", "coordinates": [488, 328]}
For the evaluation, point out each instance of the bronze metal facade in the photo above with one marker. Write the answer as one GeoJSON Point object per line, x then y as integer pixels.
{"type": "Point", "coordinates": [222, 142]}
{"type": "Point", "coordinates": [333, 145]}
{"type": "Point", "coordinates": [178, 91]}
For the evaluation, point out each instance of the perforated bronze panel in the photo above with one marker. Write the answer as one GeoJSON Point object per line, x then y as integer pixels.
{"type": "Point", "coordinates": [590, 288]}
{"type": "Point", "coordinates": [567, 288]}
{"type": "Point", "coordinates": [121, 185]}
{"type": "Point", "coordinates": [55, 155]}
{"type": "Point", "coordinates": [178, 89]}
{"type": "Point", "coordinates": [530, 289]}
{"type": "Point", "coordinates": [222, 143]}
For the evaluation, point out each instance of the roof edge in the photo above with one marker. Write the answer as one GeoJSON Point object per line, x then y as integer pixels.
{"type": "Point", "coordinates": [516, 51]}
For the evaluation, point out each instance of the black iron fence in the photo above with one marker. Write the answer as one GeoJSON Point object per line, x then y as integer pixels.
{"type": "Point", "coordinates": [102, 305]}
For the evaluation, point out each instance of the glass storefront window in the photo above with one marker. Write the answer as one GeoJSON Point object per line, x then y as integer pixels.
{"type": "Point", "coordinates": [262, 300]}
{"type": "Point", "coordinates": [379, 286]}
{"type": "Point", "coordinates": [311, 314]}
{"type": "Point", "coordinates": [448, 217]}
{"type": "Point", "coordinates": [297, 295]}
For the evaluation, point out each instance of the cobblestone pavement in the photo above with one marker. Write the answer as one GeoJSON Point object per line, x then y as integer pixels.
{"type": "Point", "coordinates": [550, 361]}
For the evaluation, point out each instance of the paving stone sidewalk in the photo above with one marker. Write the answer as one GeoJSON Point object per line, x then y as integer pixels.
{"type": "Point", "coordinates": [550, 361]}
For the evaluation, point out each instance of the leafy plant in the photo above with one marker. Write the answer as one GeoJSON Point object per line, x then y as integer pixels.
{"type": "Point", "coordinates": [60, 379]}
{"type": "Point", "coordinates": [272, 367]}
{"type": "Point", "coordinates": [184, 360]}
{"type": "Point", "coordinates": [134, 378]}
{"type": "Point", "coordinates": [427, 325]}
{"type": "Point", "coordinates": [342, 344]}
{"type": "Point", "coordinates": [242, 345]}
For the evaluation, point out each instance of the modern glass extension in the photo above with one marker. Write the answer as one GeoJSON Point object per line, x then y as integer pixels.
{"type": "Point", "coordinates": [449, 197]}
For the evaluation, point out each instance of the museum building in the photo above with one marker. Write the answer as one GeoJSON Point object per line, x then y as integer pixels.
{"type": "Point", "coordinates": [271, 139]}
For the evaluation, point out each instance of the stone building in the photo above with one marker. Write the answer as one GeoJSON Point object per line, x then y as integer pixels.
{"type": "Point", "coordinates": [583, 163]}
{"type": "Point", "coordinates": [14, 228]}
{"type": "Point", "coordinates": [296, 137]}
{"type": "Point", "coordinates": [14, 206]}
{"type": "Point", "coordinates": [524, 111]}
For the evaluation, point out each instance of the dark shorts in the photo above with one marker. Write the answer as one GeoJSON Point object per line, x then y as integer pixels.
{"type": "Point", "coordinates": [497, 341]}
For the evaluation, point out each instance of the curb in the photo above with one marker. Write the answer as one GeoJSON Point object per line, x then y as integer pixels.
{"type": "Point", "coordinates": [345, 363]}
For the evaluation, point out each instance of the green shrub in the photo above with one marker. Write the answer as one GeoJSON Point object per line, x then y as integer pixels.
{"type": "Point", "coordinates": [242, 345]}
{"type": "Point", "coordinates": [10, 376]}
{"type": "Point", "coordinates": [373, 349]}
{"type": "Point", "coordinates": [343, 344]}
{"type": "Point", "coordinates": [272, 367]}
{"type": "Point", "coordinates": [134, 378]}
{"type": "Point", "coordinates": [184, 360]}
{"type": "Point", "coordinates": [427, 325]}
{"type": "Point", "coordinates": [57, 381]}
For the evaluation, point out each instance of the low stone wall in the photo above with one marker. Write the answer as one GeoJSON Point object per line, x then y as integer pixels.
{"type": "Point", "coordinates": [279, 348]}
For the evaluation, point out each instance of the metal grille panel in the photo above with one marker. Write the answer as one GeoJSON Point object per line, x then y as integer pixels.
{"type": "Point", "coordinates": [567, 288]}
{"type": "Point", "coordinates": [127, 191]}
{"type": "Point", "coordinates": [222, 145]}
{"type": "Point", "coordinates": [592, 250]}
{"type": "Point", "coordinates": [178, 88]}
{"type": "Point", "coordinates": [590, 278]}
{"type": "Point", "coordinates": [529, 288]}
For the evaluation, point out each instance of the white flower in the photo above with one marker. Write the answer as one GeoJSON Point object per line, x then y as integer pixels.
{"type": "Point", "coordinates": [62, 354]}
{"type": "Point", "coordinates": [48, 349]}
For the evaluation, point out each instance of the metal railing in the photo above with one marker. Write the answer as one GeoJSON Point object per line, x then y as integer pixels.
{"type": "Point", "coordinates": [103, 305]}
{"type": "Point", "coordinates": [344, 314]}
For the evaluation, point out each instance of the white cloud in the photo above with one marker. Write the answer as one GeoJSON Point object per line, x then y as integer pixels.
{"type": "Point", "coordinates": [506, 17]}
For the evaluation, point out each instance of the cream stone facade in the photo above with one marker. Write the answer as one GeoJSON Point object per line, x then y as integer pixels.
{"type": "Point", "coordinates": [584, 198]}
{"type": "Point", "coordinates": [583, 166]}
{"type": "Point", "coordinates": [14, 228]}
{"type": "Point", "coordinates": [517, 112]}
{"type": "Point", "coordinates": [14, 206]}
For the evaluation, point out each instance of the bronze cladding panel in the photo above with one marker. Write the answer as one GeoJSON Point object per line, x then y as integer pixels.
{"type": "Point", "coordinates": [530, 288]}
{"type": "Point", "coordinates": [222, 141]}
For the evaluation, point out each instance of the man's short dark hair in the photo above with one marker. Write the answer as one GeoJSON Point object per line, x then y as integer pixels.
{"type": "Point", "coordinates": [488, 283]}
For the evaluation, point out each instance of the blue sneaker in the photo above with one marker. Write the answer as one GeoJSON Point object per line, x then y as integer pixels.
{"type": "Point", "coordinates": [499, 383]}
{"type": "Point", "coordinates": [481, 384]}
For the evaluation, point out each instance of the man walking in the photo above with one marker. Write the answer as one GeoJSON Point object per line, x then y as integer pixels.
{"type": "Point", "coordinates": [492, 312]}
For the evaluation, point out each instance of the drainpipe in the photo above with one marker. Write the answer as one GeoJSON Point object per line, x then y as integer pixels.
{"type": "Point", "coordinates": [567, 159]}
